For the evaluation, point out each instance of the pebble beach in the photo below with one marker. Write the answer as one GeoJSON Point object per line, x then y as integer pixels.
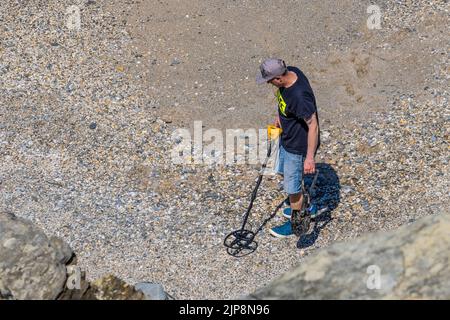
{"type": "Point", "coordinates": [85, 144]}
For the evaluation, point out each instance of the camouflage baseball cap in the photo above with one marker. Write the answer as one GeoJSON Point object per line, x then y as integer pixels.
{"type": "Point", "coordinates": [270, 69]}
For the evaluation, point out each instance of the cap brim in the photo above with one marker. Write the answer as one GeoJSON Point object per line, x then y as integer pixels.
{"type": "Point", "coordinates": [260, 79]}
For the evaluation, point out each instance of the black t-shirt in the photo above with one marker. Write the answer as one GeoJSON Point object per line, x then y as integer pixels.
{"type": "Point", "coordinates": [295, 104]}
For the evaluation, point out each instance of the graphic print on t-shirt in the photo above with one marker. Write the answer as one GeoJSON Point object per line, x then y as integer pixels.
{"type": "Point", "coordinates": [281, 103]}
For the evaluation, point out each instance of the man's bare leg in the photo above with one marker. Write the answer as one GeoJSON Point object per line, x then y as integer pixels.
{"type": "Point", "coordinates": [296, 201]}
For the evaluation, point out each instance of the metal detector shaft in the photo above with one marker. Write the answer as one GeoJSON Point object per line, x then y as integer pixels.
{"type": "Point", "coordinates": [258, 182]}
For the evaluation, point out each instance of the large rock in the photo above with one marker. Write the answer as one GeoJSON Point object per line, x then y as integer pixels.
{"type": "Point", "coordinates": [32, 266]}
{"type": "Point", "coordinates": [412, 261]}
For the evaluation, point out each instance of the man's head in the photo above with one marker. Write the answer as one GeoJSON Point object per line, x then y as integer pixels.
{"type": "Point", "coordinates": [273, 71]}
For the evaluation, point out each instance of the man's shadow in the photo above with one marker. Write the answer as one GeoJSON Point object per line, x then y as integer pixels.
{"type": "Point", "coordinates": [326, 196]}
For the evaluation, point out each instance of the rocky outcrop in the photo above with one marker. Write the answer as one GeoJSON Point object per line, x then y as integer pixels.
{"type": "Point", "coordinates": [411, 262]}
{"type": "Point", "coordinates": [408, 263]}
{"type": "Point", "coordinates": [34, 266]}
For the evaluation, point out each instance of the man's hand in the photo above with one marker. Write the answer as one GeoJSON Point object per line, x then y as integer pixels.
{"type": "Point", "coordinates": [277, 122]}
{"type": "Point", "coordinates": [309, 167]}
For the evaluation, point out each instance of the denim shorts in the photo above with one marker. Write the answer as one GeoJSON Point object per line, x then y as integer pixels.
{"type": "Point", "coordinates": [290, 165]}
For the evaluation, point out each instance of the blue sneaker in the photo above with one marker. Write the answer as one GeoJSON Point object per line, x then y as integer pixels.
{"type": "Point", "coordinates": [312, 210]}
{"type": "Point", "coordinates": [287, 213]}
{"type": "Point", "coordinates": [282, 231]}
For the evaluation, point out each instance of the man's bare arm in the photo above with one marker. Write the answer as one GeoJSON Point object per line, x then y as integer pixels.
{"type": "Point", "coordinates": [313, 135]}
{"type": "Point", "coordinates": [313, 138]}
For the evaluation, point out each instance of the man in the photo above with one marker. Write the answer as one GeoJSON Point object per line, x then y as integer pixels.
{"type": "Point", "coordinates": [297, 116]}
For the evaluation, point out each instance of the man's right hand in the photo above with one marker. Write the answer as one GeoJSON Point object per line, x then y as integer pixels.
{"type": "Point", "coordinates": [277, 122]}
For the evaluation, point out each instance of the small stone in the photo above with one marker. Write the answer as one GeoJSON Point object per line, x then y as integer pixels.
{"type": "Point", "coordinates": [324, 134]}
{"type": "Point", "coordinates": [175, 62]}
{"type": "Point", "coordinates": [347, 189]}
{"type": "Point", "coordinates": [166, 119]}
{"type": "Point", "coordinates": [93, 126]}
{"type": "Point", "coordinates": [365, 205]}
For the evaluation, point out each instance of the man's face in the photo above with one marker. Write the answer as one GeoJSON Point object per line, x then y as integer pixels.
{"type": "Point", "coordinates": [277, 82]}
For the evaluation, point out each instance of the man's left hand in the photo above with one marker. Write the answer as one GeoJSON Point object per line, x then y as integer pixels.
{"type": "Point", "coordinates": [309, 167]}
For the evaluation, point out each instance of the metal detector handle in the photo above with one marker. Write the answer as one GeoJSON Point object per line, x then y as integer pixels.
{"type": "Point", "coordinates": [313, 184]}
{"type": "Point", "coordinates": [273, 132]}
